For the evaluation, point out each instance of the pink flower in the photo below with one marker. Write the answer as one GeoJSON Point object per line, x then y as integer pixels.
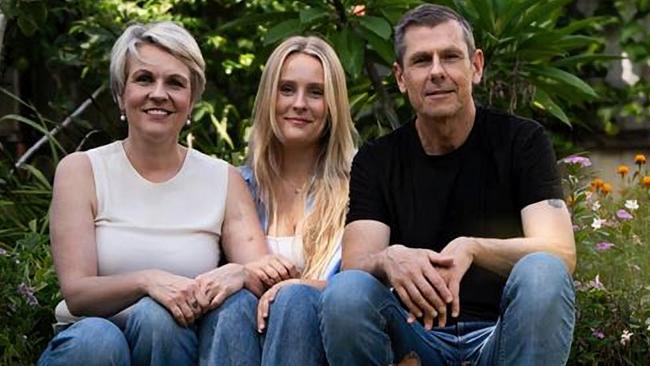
{"type": "Point", "coordinates": [597, 333]}
{"type": "Point", "coordinates": [603, 246]}
{"type": "Point", "coordinates": [624, 215]}
{"type": "Point", "coordinates": [577, 160]}
{"type": "Point", "coordinates": [28, 294]}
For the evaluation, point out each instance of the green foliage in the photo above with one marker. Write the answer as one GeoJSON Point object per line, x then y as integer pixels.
{"type": "Point", "coordinates": [628, 20]}
{"type": "Point", "coordinates": [28, 285]}
{"type": "Point", "coordinates": [534, 52]}
{"type": "Point", "coordinates": [612, 231]}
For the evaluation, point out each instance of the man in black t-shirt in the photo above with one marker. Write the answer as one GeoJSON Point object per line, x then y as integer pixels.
{"type": "Point", "coordinates": [458, 245]}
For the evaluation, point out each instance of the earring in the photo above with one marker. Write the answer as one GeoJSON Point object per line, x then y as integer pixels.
{"type": "Point", "coordinates": [188, 122]}
{"type": "Point", "coordinates": [122, 117]}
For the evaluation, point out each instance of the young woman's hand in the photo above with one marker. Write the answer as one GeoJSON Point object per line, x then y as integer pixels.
{"type": "Point", "coordinates": [265, 302]}
{"type": "Point", "coordinates": [272, 269]}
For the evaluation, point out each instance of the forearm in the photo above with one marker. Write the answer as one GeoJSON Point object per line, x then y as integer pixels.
{"type": "Point", "coordinates": [105, 295]}
{"type": "Point", "coordinates": [500, 255]}
{"type": "Point", "coordinates": [372, 263]}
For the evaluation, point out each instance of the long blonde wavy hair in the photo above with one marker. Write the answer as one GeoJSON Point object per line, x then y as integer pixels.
{"type": "Point", "coordinates": [323, 224]}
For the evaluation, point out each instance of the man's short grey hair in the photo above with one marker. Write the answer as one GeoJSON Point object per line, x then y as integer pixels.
{"type": "Point", "coordinates": [430, 15]}
{"type": "Point", "coordinates": [166, 35]}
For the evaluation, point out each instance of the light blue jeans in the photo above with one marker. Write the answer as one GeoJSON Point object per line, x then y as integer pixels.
{"type": "Point", "coordinates": [362, 322]}
{"type": "Point", "coordinates": [151, 336]}
{"type": "Point", "coordinates": [291, 337]}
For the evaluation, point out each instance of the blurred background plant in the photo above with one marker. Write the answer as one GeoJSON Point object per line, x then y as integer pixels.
{"type": "Point", "coordinates": [546, 60]}
{"type": "Point", "coordinates": [612, 230]}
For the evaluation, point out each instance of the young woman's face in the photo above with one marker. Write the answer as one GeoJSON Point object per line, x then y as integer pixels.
{"type": "Point", "coordinates": [157, 98]}
{"type": "Point", "coordinates": [300, 109]}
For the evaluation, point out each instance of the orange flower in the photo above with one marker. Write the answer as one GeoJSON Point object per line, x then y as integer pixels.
{"type": "Point", "coordinates": [606, 188]}
{"type": "Point", "coordinates": [639, 159]}
{"type": "Point", "coordinates": [646, 181]}
{"type": "Point", "coordinates": [623, 170]}
{"type": "Point", "coordinates": [596, 184]}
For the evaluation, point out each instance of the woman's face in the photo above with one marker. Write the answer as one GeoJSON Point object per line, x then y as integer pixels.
{"type": "Point", "coordinates": [300, 109]}
{"type": "Point", "coordinates": [157, 98]}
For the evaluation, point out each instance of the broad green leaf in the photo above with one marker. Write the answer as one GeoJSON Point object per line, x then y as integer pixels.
{"type": "Point", "coordinates": [566, 78]}
{"type": "Point", "coordinates": [377, 25]}
{"type": "Point", "coordinates": [27, 26]}
{"type": "Point", "coordinates": [282, 30]}
{"type": "Point", "coordinates": [538, 13]}
{"type": "Point", "coordinates": [588, 58]}
{"type": "Point", "coordinates": [351, 51]}
{"type": "Point", "coordinates": [511, 19]}
{"type": "Point", "coordinates": [383, 47]}
{"type": "Point", "coordinates": [255, 19]}
{"type": "Point", "coordinates": [545, 103]}
{"type": "Point", "coordinates": [485, 12]}
{"type": "Point", "coordinates": [312, 14]}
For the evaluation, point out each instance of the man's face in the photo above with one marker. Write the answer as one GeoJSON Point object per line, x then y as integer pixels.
{"type": "Point", "coordinates": [438, 72]}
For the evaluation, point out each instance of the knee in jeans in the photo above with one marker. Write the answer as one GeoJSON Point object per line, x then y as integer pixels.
{"type": "Point", "coordinates": [297, 296]}
{"type": "Point", "coordinates": [242, 300]}
{"type": "Point", "coordinates": [349, 293]}
{"type": "Point", "coordinates": [542, 276]}
{"type": "Point", "coordinates": [238, 308]}
{"type": "Point", "coordinates": [94, 338]}
{"type": "Point", "coordinates": [148, 315]}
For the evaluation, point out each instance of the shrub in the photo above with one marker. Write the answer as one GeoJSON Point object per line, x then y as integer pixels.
{"type": "Point", "coordinates": [612, 230]}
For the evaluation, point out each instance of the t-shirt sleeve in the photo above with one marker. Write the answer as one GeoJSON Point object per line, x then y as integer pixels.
{"type": "Point", "coordinates": [537, 175]}
{"type": "Point", "coordinates": [366, 199]}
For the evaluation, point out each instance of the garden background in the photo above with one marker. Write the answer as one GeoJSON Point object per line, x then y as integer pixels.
{"type": "Point", "coordinates": [581, 68]}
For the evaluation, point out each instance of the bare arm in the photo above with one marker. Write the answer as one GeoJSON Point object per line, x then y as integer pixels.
{"type": "Point", "coordinates": [364, 243]}
{"type": "Point", "coordinates": [547, 228]}
{"type": "Point", "coordinates": [241, 236]}
{"type": "Point", "coordinates": [72, 232]}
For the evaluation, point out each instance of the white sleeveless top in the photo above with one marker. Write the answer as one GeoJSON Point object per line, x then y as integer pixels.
{"type": "Point", "coordinates": [174, 226]}
{"type": "Point", "coordinates": [290, 247]}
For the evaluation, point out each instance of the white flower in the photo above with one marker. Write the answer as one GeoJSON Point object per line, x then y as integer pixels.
{"type": "Point", "coordinates": [595, 206]}
{"type": "Point", "coordinates": [631, 205]}
{"type": "Point", "coordinates": [625, 337]}
{"type": "Point", "coordinates": [598, 223]}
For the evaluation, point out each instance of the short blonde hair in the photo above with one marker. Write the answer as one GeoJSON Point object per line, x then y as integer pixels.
{"type": "Point", "coordinates": [324, 222]}
{"type": "Point", "coordinates": [166, 35]}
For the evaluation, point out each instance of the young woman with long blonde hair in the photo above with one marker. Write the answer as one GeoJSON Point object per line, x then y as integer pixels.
{"type": "Point", "coordinates": [301, 147]}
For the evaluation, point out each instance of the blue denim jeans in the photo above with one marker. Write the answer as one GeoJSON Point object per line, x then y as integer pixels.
{"type": "Point", "coordinates": [291, 337]}
{"type": "Point", "coordinates": [363, 323]}
{"type": "Point", "coordinates": [151, 336]}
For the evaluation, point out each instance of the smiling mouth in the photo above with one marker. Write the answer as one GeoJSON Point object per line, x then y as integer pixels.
{"type": "Point", "coordinates": [297, 120]}
{"type": "Point", "coordinates": [157, 112]}
{"type": "Point", "coordinates": [438, 92]}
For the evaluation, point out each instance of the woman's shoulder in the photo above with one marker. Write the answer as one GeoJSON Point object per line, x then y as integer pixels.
{"type": "Point", "coordinates": [246, 173]}
{"type": "Point", "coordinates": [207, 160]}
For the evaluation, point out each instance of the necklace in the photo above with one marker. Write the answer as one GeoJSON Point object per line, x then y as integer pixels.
{"type": "Point", "coordinates": [295, 188]}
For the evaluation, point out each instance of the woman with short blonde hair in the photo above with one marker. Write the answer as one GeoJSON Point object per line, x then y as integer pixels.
{"type": "Point", "coordinates": [137, 226]}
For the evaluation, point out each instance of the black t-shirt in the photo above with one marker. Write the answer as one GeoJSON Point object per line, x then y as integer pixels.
{"type": "Point", "coordinates": [477, 190]}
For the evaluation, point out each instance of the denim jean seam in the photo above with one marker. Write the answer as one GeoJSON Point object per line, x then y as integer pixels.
{"type": "Point", "coordinates": [395, 307]}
